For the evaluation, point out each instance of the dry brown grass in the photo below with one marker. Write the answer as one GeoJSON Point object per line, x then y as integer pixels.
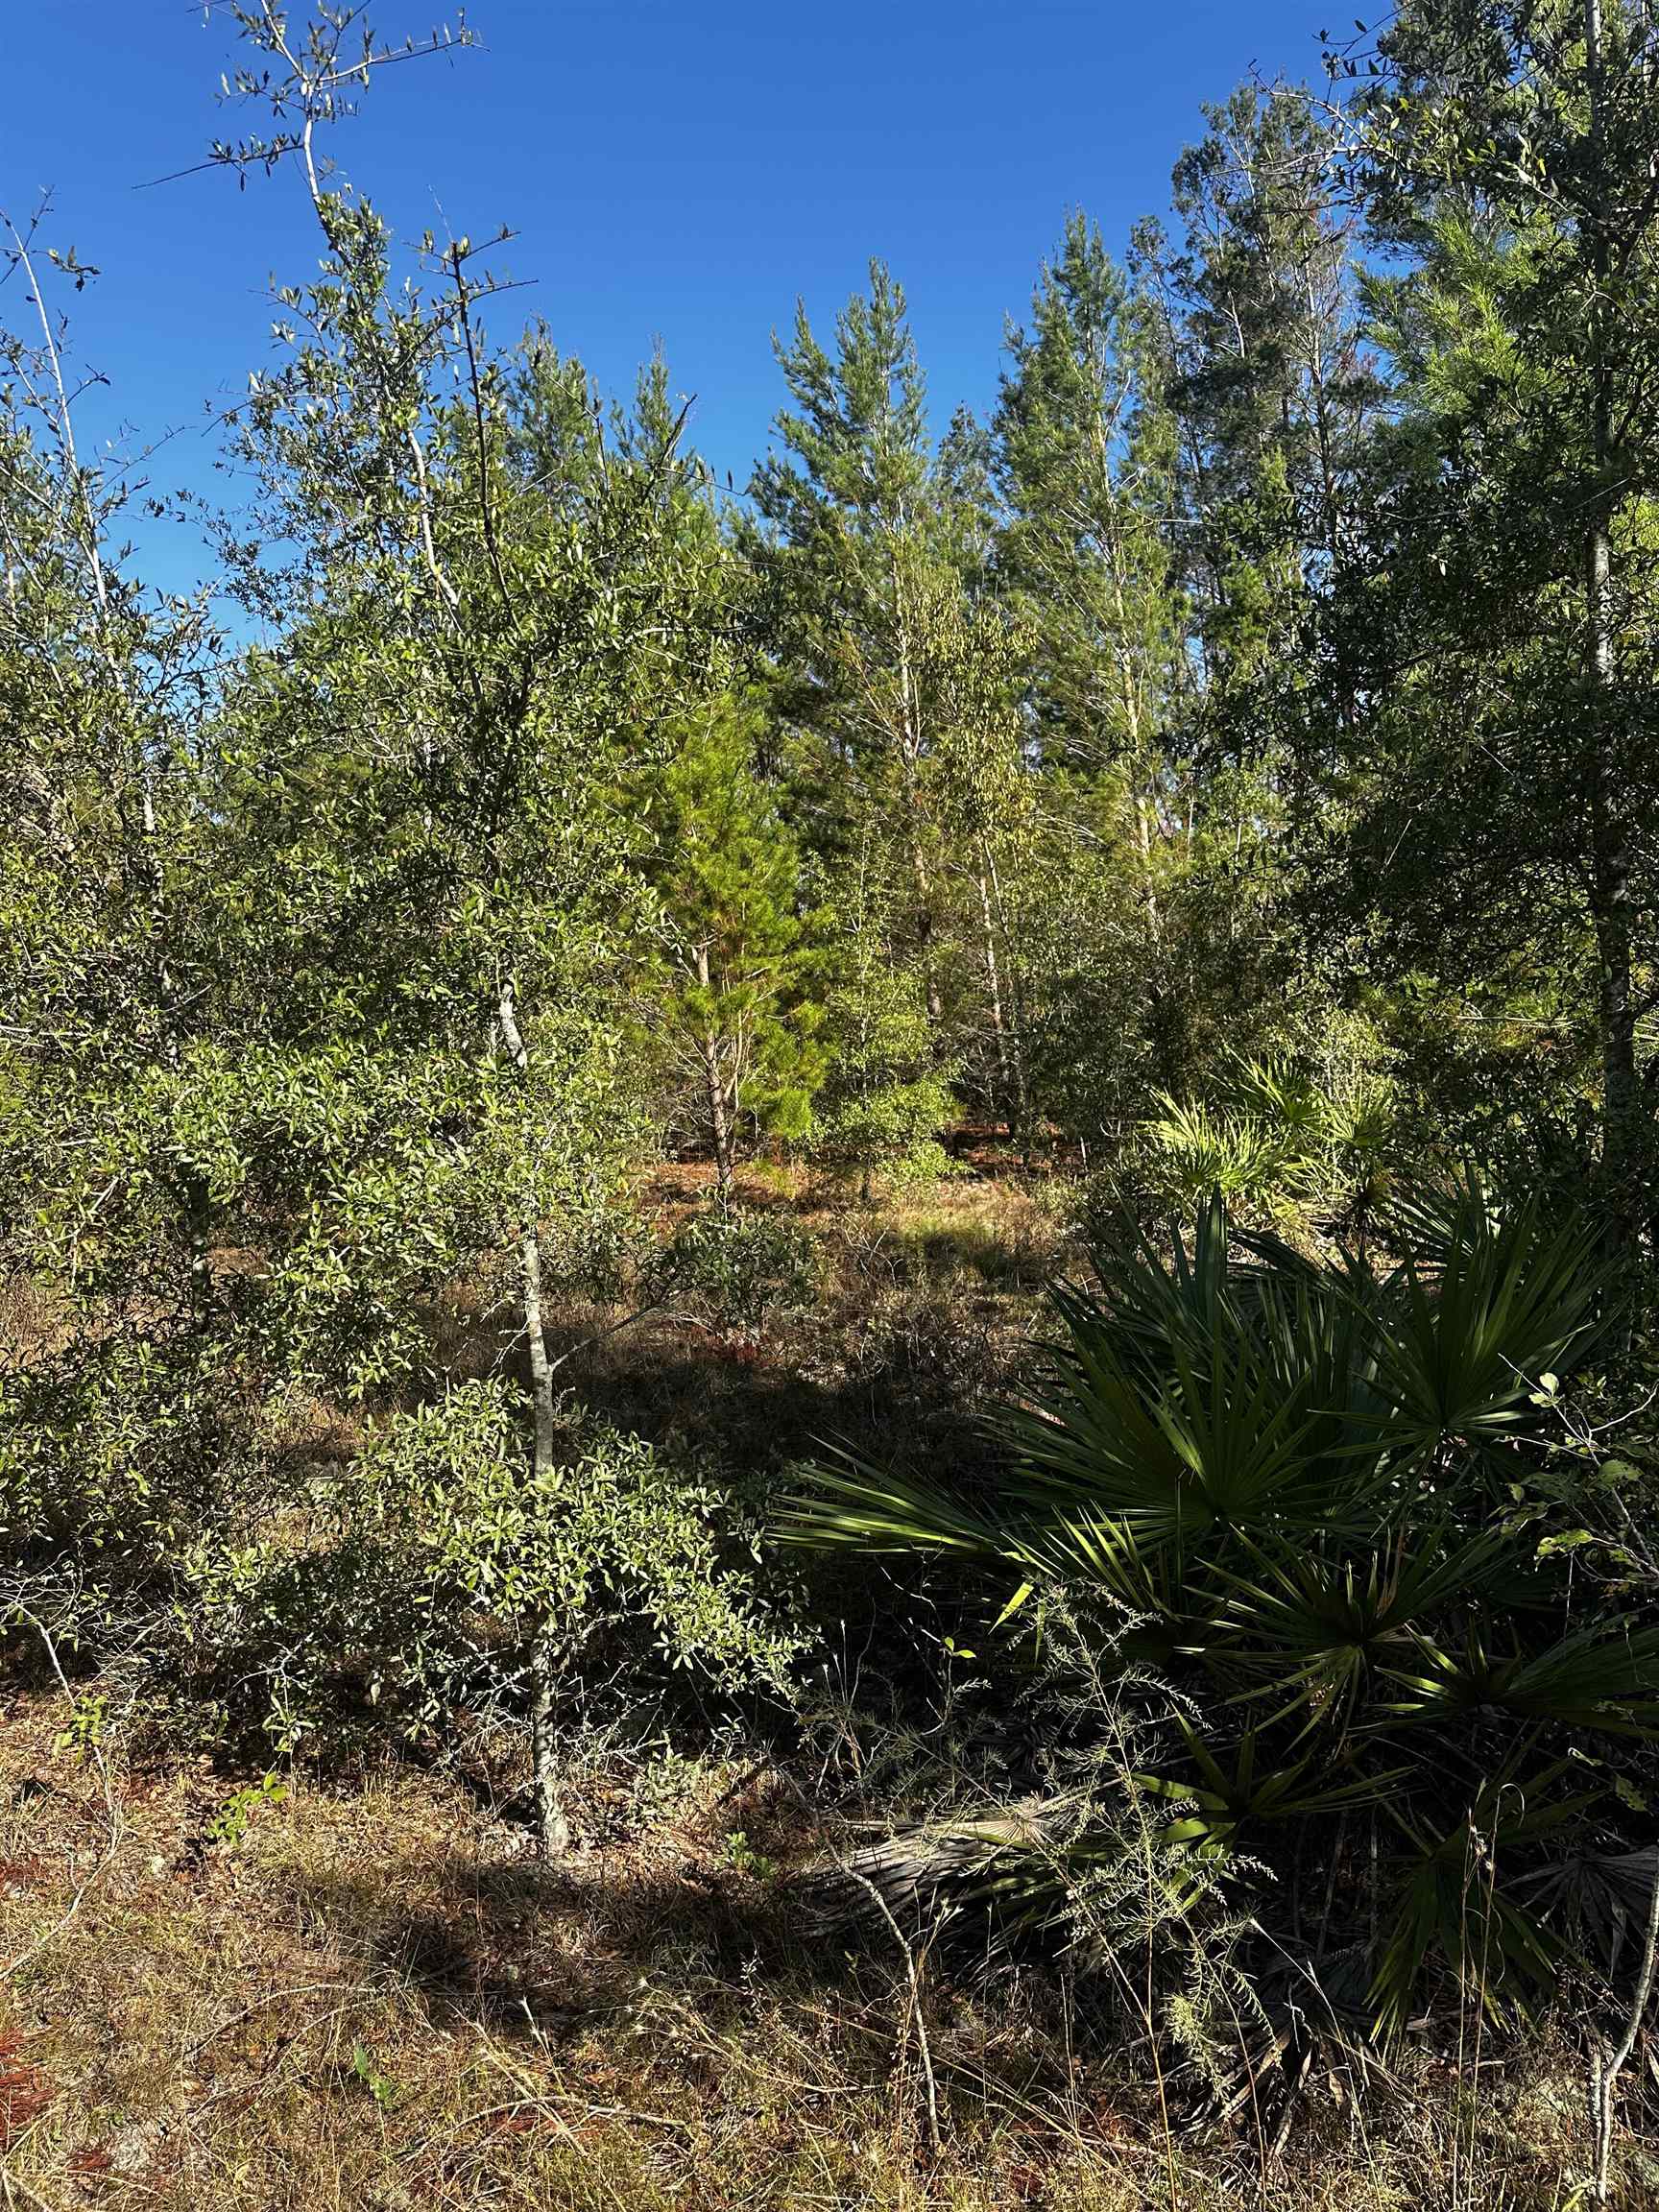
{"type": "Point", "coordinates": [369, 1994]}
{"type": "Point", "coordinates": [375, 1998]}
{"type": "Point", "coordinates": [921, 1315]}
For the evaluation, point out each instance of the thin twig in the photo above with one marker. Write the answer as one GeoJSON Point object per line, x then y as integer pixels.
{"type": "Point", "coordinates": [1605, 2070]}
{"type": "Point", "coordinates": [915, 2012]}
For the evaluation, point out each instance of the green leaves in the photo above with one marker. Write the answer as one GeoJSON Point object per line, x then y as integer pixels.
{"type": "Point", "coordinates": [440, 1560]}
{"type": "Point", "coordinates": [1254, 1789]}
{"type": "Point", "coordinates": [728, 968]}
{"type": "Point", "coordinates": [1459, 1897]}
{"type": "Point", "coordinates": [1187, 1399]}
{"type": "Point", "coordinates": [850, 1506]}
{"type": "Point", "coordinates": [1603, 1677]}
{"type": "Point", "coordinates": [615, 1533]}
{"type": "Point", "coordinates": [1277, 1140]}
{"type": "Point", "coordinates": [1316, 1626]}
{"type": "Point", "coordinates": [1270, 1479]}
{"type": "Point", "coordinates": [1481, 1311]}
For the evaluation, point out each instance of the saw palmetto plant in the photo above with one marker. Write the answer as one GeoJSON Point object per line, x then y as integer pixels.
{"type": "Point", "coordinates": [1294, 1492]}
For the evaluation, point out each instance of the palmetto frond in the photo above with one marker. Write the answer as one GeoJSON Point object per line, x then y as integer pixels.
{"type": "Point", "coordinates": [1257, 1787]}
{"type": "Point", "coordinates": [1275, 1477]}
{"type": "Point", "coordinates": [853, 1505]}
{"type": "Point", "coordinates": [1314, 1626]}
{"type": "Point", "coordinates": [1236, 1151]}
{"type": "Point", "coordinates": [1216, 1445]}
{"type": "Point", "coordinates": [1190, 1393]}
{"type": "Point", "coordinates": [1604, 1677]}
{"type": "Point", "coordinates": [1462, 1896]}
{"type": "Point", "coordinates": [1481, 1309]}
{"type": "Point", "coordinates": [1601, 1895]}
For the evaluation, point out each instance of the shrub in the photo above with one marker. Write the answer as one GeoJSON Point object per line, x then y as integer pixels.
{"type": "Point", "coordinates": [1309, 1512]}
{"type": "Point", "coordinates": [733, 1268]}
{"type": "Point", "coordinates": [1283, 1142]}
{"type": "Point", "coordinates": [886, 1100]}
{"type": "Point", "coordinates": [443, 1574]}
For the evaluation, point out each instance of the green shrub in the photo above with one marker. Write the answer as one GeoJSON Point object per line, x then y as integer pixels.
{"type": "Point", "coordinates": [886, 1100]}
{"type": "Point", "coordinates": [1282, 1142]}
{"type": "Point", "coordinates": [734, 1267]}
{"type": "Point", "coordinates": [1320, 1518]}
{"type": "Point", "coordinates": [442, 1563]}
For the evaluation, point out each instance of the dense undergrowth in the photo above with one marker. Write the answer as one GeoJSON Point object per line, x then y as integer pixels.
{"type": "Point", "coordinates": [826, 1312]}
{"type": "Point", "coordinates": [1367, 1673]}
{"type": "Point", "coordinates": [368, 1993]}
{"type": "Point", "coordinates": [1099, 1975]}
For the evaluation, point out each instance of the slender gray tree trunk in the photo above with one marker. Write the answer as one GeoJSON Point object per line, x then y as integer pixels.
{"type": "Point", "coordinates": [994, 988]}
{"type": "Point", "coordinates": [910, 753]}
{"type": "Point", "coordinates": [714, 1089]}
{"type": "Point", "coordinates": [1606, 2066]}
{"type": "Point", "coordinates": [550, 1821]}
{"type": "Point", "coordinates": [1010, 1024]}
{"type": "Point", "coordinates": [1609, 832]}
{"type": "Point", "coordinates": [1135, 730]}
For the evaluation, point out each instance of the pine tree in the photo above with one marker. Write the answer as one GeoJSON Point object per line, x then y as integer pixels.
{"type": "Point", "coordinates": [1489, 796]}
{"type": "Point", "coordinates": [1087, 466]}
{"type": "Point", "coordinates": [851, 563]}
{"type": "Point", "coordinates": [1268, 370]}
{"type": "Point", "coordinates": [729, 988]}
{"type": "Point", "coordinates": [895, 661]}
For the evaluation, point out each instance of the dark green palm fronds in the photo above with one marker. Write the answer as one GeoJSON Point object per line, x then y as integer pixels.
{"type": "Point", "coordinates": [1257, 1788]}
{"type": "Point", "coordinates": [1462, 1897]}
{"type": "Point", "coordinates": [1604, 1677]}
{"type": "Point", "coordinates": [1478, 1319]}
{"type": "Point", "coordinates": [1284, 1480]}
{"type": "Point", "coordinates": [856, 1506]}
{"type": "Point", "coordinates": [1315, 1626]}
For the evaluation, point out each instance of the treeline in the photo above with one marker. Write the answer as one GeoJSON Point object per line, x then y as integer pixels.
{"type": "Point", "coordinates": [1276, 652]}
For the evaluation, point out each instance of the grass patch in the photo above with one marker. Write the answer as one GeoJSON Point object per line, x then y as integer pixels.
{"type": "Point", "coordinates": [376, 1996]}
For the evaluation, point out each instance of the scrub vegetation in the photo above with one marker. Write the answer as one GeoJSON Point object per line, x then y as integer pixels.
{"type": "Point", "coordinates": [827, 1313]}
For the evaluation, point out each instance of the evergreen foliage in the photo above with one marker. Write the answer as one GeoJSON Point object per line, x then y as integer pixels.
{"type": "Point", "coordinates": [1220, 778]}
{"type": "Point", "coordinates": [1307, 1497]}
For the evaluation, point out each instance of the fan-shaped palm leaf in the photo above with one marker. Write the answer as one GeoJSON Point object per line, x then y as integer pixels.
{"type": "Point", "coordinates": [1478, 1316]}
{"type": "Point", "coordinates": [1462, 1895]}
{"type": "Point", "coordinates": [1313, 1628]}
{"type": "Point", "coordinates": [1257, 1789]}
{"type": "Point", "coordinates": [1605, 1676]}
{"type": "Point", "coordinates": [853, 1505]}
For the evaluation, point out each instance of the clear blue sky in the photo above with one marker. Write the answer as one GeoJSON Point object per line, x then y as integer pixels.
{"type": "Point", "coordinates": [674, 171]}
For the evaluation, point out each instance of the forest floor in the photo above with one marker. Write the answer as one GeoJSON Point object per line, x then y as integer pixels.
{"type": "Point", "coordinates": [369, 1994]}
{"type": "Point", "coordinates": [361, 1988]}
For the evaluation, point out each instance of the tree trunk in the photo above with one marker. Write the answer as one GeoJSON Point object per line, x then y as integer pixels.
{"type": "Point", "coordinates": [551, 1825]}
{"type": "Point", "coordinates": [925, 933]}
{"type": "Point", "coordinates": [541, 1370]}
{"type": "Point", "coordinates": [994, 989]}
{"type": "Point", "coordinates": [1135, 732]}
{"type": "Point", "coordinates": [910, 753]}
{"type": "Point", "coordinates": [550, 1822]}
{"type": "Point", "coordinates": [715, 1091]}
{"type": "Point", "coordinates": [1605, 2067]}
{"type": "Point", "coordinates": [1144, 846]}
{"type": "Point", "coordinates": [1010, 1032]}
{"type": "Point", "coordinates": [719, 1121]}
{"type": "Point", "coordinates": [1609, 833]}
